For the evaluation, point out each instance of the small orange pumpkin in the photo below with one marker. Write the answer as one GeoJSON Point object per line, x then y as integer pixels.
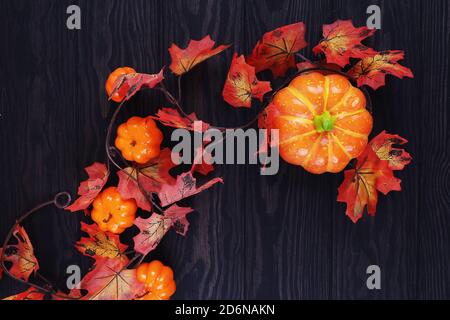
{"type": "Point", "coordinates": [110, 82]}
{"type": "Point", "coordinates": [158, 280]}
{"type": "Point", "coordinates": [112, 213]}
{"type": "Point", "coordinates": [139, 139]}
{"type": "Point", "coordinates": [322, 122]}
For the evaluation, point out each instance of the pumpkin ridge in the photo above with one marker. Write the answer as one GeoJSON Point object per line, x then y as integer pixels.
{"type": "Point", "coordinates": [312, 151]}
{"type": "Point", "coordinates": [297, 137]}
{"type": "Point", "coordinates": [303, 99]}
{"type": "Point", "coordinates": [341, 101]}
{"type": "Point", "coordinates": [350, 133]}
{"type": "Point", "coordinates": [344, 114]}
{"type": "Point", "coordinates": [330, 151]}
{"type": "Point", "coordinates": [338, 142]}
{"type": "Point", "coordinates": [295, 118]}
{"type": "Point", "coordinates": [326, 93]}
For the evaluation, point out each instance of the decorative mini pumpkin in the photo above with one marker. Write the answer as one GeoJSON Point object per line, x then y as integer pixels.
{"type": "Point", "coordinates": [322, 122]}
{"type": "Point", "coordinates": [112, 213]}
{"type": "Point", "coordinates": [109, 86]}
{"type": "Point", "coordinates": [139, 139]}
{"type": "Point", "coordinates": [158, 280]}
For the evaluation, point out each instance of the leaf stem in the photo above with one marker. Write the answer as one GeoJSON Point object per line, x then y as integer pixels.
{"type": "Point", "coordinates": [108, 138]}
{"type": "Point", "coordinates": [298, 54]}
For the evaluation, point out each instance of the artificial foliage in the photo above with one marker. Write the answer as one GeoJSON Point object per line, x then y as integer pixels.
{"type": "Point", "coordinates": [323, 122]}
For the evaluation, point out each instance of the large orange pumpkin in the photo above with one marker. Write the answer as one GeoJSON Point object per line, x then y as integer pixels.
{"type": "Point", "coordinates": [322, 122]}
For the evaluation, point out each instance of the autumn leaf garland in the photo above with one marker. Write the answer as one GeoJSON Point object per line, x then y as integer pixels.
{"type": "Point", "coordinates": [156, 190]}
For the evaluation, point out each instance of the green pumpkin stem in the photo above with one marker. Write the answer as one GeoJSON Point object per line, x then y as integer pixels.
{"type": "Point", "coordinates": [324, 122]}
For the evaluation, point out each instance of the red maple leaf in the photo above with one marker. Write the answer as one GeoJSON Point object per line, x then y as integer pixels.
{"type": "Point", "coordinates": [129, 84]}
{"type": "Point", "coordinates": [153, 229]}
{"type": "Point", "coordinates": [242, 85]}
{"type": "Point", "coordinates": [184, 60]}
{"type": "Point", "coordinates": [342, 41]}
{"type": "Point", "coordinates": [372, 70]}
{"type": "Point", "coordinates": [276, 50]}
{"type": "Point", "coordinates": [111, 280]}
{"type": "Point", "coordinates": [172, 118]}
{"type": "Point", "coordinates": [29, 294]}
{"type": "Point", "coordinates": [100, 244]}
{"type": "Point", "coordinates": [203, 168]}
{"type": "Point", "coordinates": [21, 255]}
{"type": "Point", "coordinates": [89, 189]}
{"type": "Point", "coordinates": [199, 164]}
{"type": "Point", "coordinates": [184, 187]}
{"type": "Point", "coordinates": [383, 143]}
{"type": "Point", "coordinates": [374, 172]}
{"type": "Point", "coordinates": [151, 178]}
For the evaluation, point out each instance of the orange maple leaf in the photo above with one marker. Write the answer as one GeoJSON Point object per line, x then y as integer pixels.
{"type": "Point", "coordinates": [90, 188]}
{"type": "Point", "coordinates": [184, 60]}
{"type": "Point", "coordinates": [276, 50]}
{"type": "Point", "coordinates": [242, 85]}
{"type": "Point", "coordinates": [21, 255]}
{"type": "Point", "coordinates": [185, 186]}
{"type": "Point", "coordinates": [151, 178]}
{"type": "Point", "coordinates": [111, 280]}
{"type": "Point", "coordinates": [342, 41]}
{"type": "Point", "coordinates": [100, 244]}
{"type": "Point", "coordinates": [172, 118]}
{"type": "Point", "coordinates": [373, 173]}
{"type": "Point", "coordinates": [372, 70]}
{"type": "Point", "coordinates": [153, 229]}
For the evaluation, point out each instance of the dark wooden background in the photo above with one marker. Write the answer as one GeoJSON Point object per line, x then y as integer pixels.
{"type": "Point", "coordinates": [281, 237]}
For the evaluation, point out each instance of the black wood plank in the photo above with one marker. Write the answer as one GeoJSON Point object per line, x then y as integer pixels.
{"type": "Point", "coordinates": [283, 236]}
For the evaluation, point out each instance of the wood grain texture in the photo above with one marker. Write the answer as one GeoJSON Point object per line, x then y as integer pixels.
{"type": "Point", "coordinates": [280, 237]}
